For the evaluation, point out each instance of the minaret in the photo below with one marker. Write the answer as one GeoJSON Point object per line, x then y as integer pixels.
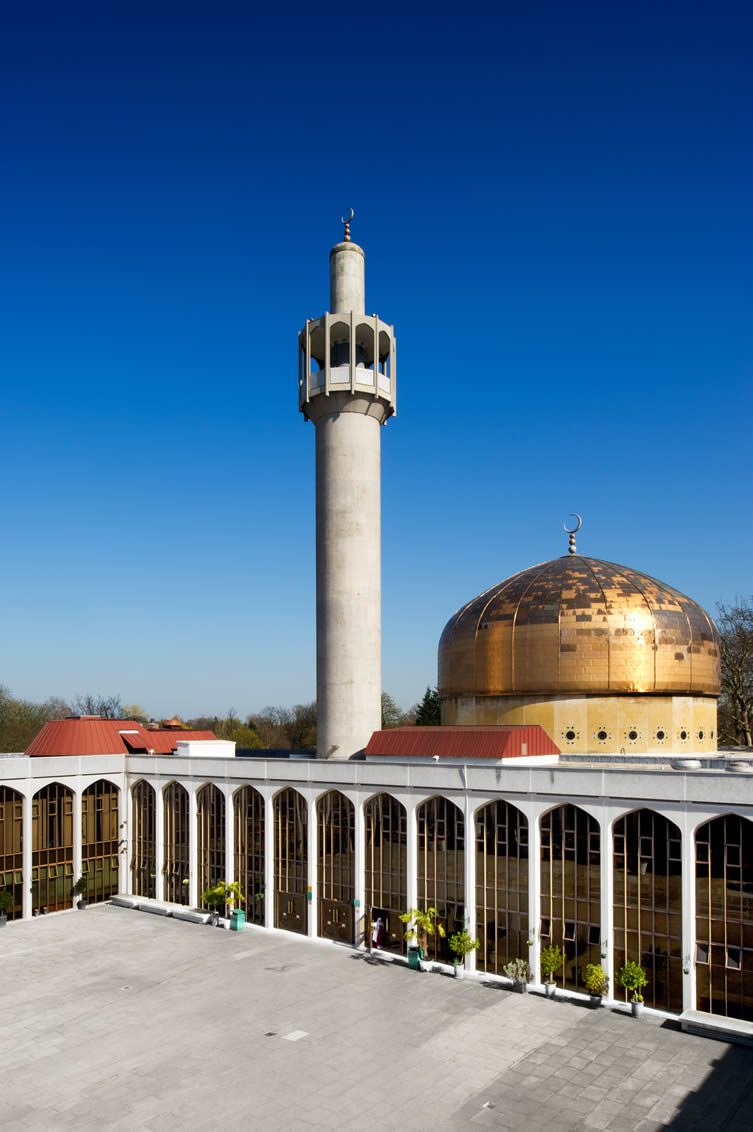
{"type": "Point", "coordinates": [346, 384]}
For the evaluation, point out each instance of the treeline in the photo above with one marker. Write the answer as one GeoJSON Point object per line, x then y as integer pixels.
{"type": "Point", "coordinates": [283, 728]}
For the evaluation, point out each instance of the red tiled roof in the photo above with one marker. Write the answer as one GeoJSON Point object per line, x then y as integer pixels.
{"type": "Point", "coordinates": [462, 742]}
{"type": "Point", "coordinates": [89, 735]}
{"type": "Point", "coordinates": [163, 742]}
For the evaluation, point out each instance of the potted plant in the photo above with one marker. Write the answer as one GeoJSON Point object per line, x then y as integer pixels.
{"type": "Point", "coordinates": [551, 960]}
{"type": "Point", "coordinates": [462, 944]}
{"type": "Point", "coordinates": [520, 973]}
{"type": "Point", "coordinates": [421, 924]}
{"type": "Point", "coordinates": [221, 895]}
{"type": "Point", "coordinates": [79, 889]}
{"type": "Point", "coordinates": [597, 983]}
{"type": "Point", "coordinates": [6, 906]}
{"type": "Point", "coordinates": [633, 977]}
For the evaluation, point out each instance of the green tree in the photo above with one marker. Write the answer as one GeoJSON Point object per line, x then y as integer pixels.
{"type": "Point", "coordinates": [429, 713]}
{"type": "Point", "coordinates": [21, 720]}
{"type": "Point", "coordinates": [392, 716]}
{"type": "Point", "coordinates": [735, 625]}
{"type": "Point", "coordinates": [136, 713]}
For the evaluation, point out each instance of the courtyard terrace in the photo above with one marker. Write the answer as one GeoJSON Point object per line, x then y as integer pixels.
{"type": "Point", "coordinates": [119, 1019]}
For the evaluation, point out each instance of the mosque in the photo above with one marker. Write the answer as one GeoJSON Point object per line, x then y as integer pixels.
{"type": "Point", "coordinates": [574, 795]}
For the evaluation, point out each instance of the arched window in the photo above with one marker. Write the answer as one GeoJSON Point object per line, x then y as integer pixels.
{"type": "Point", "coordinates": [386, 868]}
{"type": "Point", "coordinates": [175, 843]}
{"type": "Point", "coordinates": [210, 813]}
{"type": "Point", "coordinates": [724, 917]}
{"type": "Point", "coordinates": [501, 885]}
{"type": "Point", "coordinates": [11, 847]}
{"type": "Point", "coordinates": [365, 347]}
{"type": "Point", "coordinates": [52, 848]}
{"type": "Point", "coordinates": [336, 822]}
{"type": "Point", "coordinates": [648, 904]}
{"type": "Point", "coordinates": [291, 861]}
{"type": "Point", "coordinates": [441, 869]}
{"type": "Point", "coordinates": [570, 890]}
{"type": "Point", "coordinates": [249, 852]}
{"type": "Point", "coordinates": [144, 858]}
{"type": "Point", "coordinates": [339, 349]}
{"type": "Point", "coordinates": [99, 840]}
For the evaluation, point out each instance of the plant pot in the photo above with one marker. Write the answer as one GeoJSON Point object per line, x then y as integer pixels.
{"type": "Point", "coordinates": [459, 970]}
{"type": "Point", "coordinates": [636, 1008]}
{"type": "Point", "coordinates": [520, 987]}
{"type": "Point", "coordinates": [551, 989]}
{"type": "Point", "coordinates": [3, 920]}
{"type": "Point", "coordinates": [595, 1000]}
{"type": "Point", "coordinates": [82, 906]}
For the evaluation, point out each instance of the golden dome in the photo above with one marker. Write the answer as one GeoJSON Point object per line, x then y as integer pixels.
{"type": "Point", "coordinates": [579, 626]}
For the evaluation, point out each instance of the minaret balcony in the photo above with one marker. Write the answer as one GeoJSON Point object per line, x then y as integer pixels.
{"type": "Point", "coordinates": [347, 353]}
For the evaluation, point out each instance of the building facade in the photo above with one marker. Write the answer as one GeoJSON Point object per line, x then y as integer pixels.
{"type": "Point", "coordinates": [607, 861]}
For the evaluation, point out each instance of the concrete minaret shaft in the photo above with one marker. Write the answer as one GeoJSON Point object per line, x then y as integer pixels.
{"type": "Point", "coordinates": [347, 388]}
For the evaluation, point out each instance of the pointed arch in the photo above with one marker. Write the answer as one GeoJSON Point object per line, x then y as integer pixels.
{"type": "Point", "coordinates": [571, 889]}
{"type": "Point", "coordinates": [501, 846]}
{"type": "Point", "coordinates": [647, 909]}
{"type": "Point", "coordinates": [52, 847]}
{"type": "Point", "coordinates": [386, 869]}
{"type": "Point", "coordinates": [336, 879]}
{"type": "Point", "coordinates": [144, 840]}
{"type": "Point", "coordinates": [210, 819]}
{"type": "Point", "coordinates": [250, 855]}
{"type": "Point", "coordinates": [441, 868]}
{"type": "Point", "coordinates": [11, 847]}
{"type": "Point", "coordinates": [724, 916]}
{"type": "Point", "coordinates": [100, 836]}
{"type": "Point", "coordinates": [291, 860]}
{"type": "Point", "coordinates": [175, 840]}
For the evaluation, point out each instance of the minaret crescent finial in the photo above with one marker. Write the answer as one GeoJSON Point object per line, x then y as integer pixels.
{"type": "Point", "coordinates": [572, 531]}
{"type": "Point", "coordinates": [345, 219]}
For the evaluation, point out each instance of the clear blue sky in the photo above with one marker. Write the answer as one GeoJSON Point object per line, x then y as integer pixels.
{"type": "Point", "coordinates": [555, 202]}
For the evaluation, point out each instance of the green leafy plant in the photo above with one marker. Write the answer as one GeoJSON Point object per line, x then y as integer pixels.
{"type": "Point", "coordinates": [221, 894]}
{"type": "Point", "coordinates": [596, 980]}
{"type": "Point", "coordinates": [632, 977]}
{"type": "Point", "coordinates": [422, 924]}
{"type": "Point", "coordinates": [462, 944]}
{"type": "Point", "coordinates": [6, 902]}
{"type": "Point", "coordinates": [551, 960]}
{"type": "Point", "coordinates": [80, 887]}
{"type": "Point", "coordinates": [518, 970]}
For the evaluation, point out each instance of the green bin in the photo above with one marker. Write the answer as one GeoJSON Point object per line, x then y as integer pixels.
{"type": "Point", "coordinates": [237, 920]}
{"type": "Point", "coordinates": [415, 955]}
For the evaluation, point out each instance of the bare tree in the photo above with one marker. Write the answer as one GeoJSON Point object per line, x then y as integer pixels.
{"type": "Point", "coordinates": [735, 624]}
{"type": "Point", "coordinates": [109, 707]}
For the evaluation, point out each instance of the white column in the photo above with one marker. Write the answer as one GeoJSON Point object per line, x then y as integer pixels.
{"type": "Point", "coordinates": [159, 841]}
{"type": "Point", "coordinates": [688, 917]}
{"type": "Point", "coordinates": [313, 897]}
{"type": "Point", "coordinates": [229, 836]}
{"type": "Point", "coordinates": [534, 894]}
{"type": "Point", "coordinates": [125, 850]}
{"type": "Point", "coordinates": [269, 863]}
{"type": "Point", "coordinates": [470, 878]}
{"type": "Point", "coordinates": [76, 835]}
{"type": "Point", "coordinates": [26, 849]}
{"type": "Point", "coordinates": [193, 848]}
{"type": "Point", "coordinates": [412, 854]}
{"type": "Point", "coordinates": [606, 896]}
{"type": "Point", "coordinates": [360, 911]}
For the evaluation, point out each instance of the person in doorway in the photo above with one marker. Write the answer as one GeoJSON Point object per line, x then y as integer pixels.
{"type": "Point", "coordinates": [377, 933]}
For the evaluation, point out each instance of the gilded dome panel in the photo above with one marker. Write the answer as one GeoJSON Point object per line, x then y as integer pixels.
{"type": "Point", "coordinates": [579, 625]}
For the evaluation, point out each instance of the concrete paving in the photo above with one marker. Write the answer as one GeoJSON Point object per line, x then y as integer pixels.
{"type": "Point", "coordinates": [116, 1019]}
